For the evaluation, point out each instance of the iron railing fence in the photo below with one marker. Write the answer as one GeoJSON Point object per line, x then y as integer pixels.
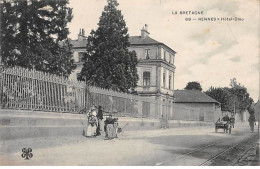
{"type": "Point", "coordinates": [25, 89]}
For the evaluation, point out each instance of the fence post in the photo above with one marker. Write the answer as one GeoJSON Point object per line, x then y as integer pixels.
{"type": "Point", "coordinates": [125, 106]}
{"type": "Point", "coordinates": [1, 85]}
{"type": "Point", "coordinates": [31, 98]}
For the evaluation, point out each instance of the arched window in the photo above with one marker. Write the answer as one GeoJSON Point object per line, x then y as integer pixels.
{"type": "Point", "coordinates": [146, 78]}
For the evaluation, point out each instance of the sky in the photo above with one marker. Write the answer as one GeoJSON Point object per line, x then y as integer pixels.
{"type": "Point", "coordinates": [210, 52]}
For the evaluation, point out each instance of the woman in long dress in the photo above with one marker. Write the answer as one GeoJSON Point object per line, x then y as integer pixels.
{"type": "Point", "coordinates": [92, 124]}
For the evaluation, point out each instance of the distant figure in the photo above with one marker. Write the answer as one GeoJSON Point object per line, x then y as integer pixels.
{"type": "Point", "coordinates": [232, 121]}
{"type": "Point", "coordinates": [99, 118]}
{"type": "Point", "coordinates": [251, 121]}
{"type": "Point", "coordinates": [111, 126]}
{"type": "Point", "coordinates": [225, 118]}
{"type": "Point", "coordinates": [164, 122]}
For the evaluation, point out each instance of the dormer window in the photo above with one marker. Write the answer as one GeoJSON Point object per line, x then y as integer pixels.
{"type": "Point", "coordinates": [81, 56]}
{"type": "Point", "coordinates": [147, 54]}
{"type": "Point", "coordinates": [170, 59]}
{"type": "Point", "coordinates": [164, 55]}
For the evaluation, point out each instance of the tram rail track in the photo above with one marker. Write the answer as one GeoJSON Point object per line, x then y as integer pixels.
{"type": "Point", "coordinates": [222, 152]}
{"type": "Point", "coordinates": [183, 155]}
{"type": "Point", "coordinates": [241, 157]}
{"type": "Point", "coordinates": [211, 159]}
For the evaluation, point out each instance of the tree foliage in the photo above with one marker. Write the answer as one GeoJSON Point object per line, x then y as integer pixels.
{"type": "Point", "coordinates": [108, 62]}
{"type": "Point", "coordinates": [234, 98]}
{"type": "Point", "coordinates": [32, 31]}
{"type": "Point", "coordinates": [221, 95]}
{"type": "Point", "coordinates": [240, 95]}
{"type": "Point", "coordinates": [193, 86]}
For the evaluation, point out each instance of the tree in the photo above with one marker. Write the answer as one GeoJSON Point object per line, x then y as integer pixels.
{"type": "Point", "coordinates": [108, 62]}
{"type": "Point", "coordinates": [223, 96]}
{"type": "Point", "coordinates": [193, 86]}
{"type": "Point", "coordinates": [32, 31]}
{"type": "Point", "coordinates": [233, 99]}
{"type": "Point", "coordinates": [241, 97]}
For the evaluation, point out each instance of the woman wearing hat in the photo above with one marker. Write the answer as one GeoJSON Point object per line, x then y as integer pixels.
{"type": "Point", "coordinates": [92, 123]}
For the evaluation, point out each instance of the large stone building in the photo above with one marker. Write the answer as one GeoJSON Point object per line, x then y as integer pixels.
{"type": "Point", "coordinates": [155, 68]}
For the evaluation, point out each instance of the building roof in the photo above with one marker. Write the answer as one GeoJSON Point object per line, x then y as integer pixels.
{"type": "Point", "coordinates": [192, 96]}
{"type": "Point", "coordinates": [137, 40]}
{"type": "Point", "coordinates": [134, 40]}
{"type": "Point", "coordinates": [79, 44]}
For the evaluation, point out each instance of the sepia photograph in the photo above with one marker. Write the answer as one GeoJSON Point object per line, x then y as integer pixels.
{"type": "Point", "coordinates": [129, 82]}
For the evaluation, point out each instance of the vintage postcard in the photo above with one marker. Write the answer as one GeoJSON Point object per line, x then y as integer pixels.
{"type": "Point", "coordinates": [129, 82]}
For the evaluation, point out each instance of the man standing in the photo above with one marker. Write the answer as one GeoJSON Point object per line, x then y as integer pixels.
{"type": "Point", "coordinates": [100, 118]}
{"type": "Point", "coordinates": [251, 121]}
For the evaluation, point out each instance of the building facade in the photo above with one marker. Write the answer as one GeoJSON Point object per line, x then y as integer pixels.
{"type": "Point", "coordinates": [155, 67]}
{"type": "Point", "coordinates": [204, 108]}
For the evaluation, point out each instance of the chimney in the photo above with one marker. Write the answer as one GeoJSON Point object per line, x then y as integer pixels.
{"type": "Point", "coordinates": [144, 32]}
{"type": "Point", "coordinates": [81, 35]}
{"type": "Point", "coordinates": [83, 32]}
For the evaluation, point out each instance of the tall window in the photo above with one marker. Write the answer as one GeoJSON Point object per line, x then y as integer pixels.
{"type": "Point", "coordinates": [81, 55]}
{"type": "Point", "coordinates": [170, 59]}
{"type": "Point", "coordinates": [164, 79]}
{"type": "Point", "coordinates": [164, 55]}
{"type": "Point", "coordinates": [78, 75]}
{"type": "Point", "coordinates": [147, 54]}
{"type": "Point", "coordinates": [146, 78]}
{"type": "Point", "coordinates": [170, 80]}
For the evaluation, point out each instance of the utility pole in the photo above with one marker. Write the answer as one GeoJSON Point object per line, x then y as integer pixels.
{"type": "Point", "coordinates": [258, 125]}
{"type": "Point", "coordinates": [234, 106]}
{"type": "Point", "coordinates": [257, 144]}
{"type": "Point", "coordinates": [257, 107]}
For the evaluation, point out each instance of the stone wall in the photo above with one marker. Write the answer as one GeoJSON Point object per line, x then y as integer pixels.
{"type": "Point", "coordinates": [18, 124]}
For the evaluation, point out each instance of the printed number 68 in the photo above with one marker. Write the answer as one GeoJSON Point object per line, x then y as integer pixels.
{"type": "Point", "coordinates": [187, 19]}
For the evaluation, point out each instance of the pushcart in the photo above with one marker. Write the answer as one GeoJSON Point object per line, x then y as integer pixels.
{"type": "Point", "coordinates": [225, 125]}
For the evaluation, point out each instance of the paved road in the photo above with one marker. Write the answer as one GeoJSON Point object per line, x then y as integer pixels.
{"type": "Point", "coordinates": [178, 147]}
